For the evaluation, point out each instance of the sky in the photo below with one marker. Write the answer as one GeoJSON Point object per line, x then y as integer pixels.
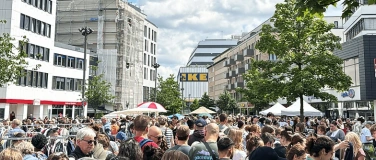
{"type": "Point", "coordinates": [183, 23]}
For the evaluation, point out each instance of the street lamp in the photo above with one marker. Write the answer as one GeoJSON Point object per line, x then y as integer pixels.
{"type": "Point", "coordinates": [85, 31]}
{"type": "Point", "coordinates": [155, 66]}
{"type": "Point", "coordinates": [182, 98]}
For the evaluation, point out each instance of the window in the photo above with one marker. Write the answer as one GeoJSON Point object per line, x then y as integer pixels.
{"type": "Point", "coordinates": [32, 25]}
{"type": "Point", "coordinates": [144, 58]}
{"type": "Point", "coordinates": [48, 30]}
{"type": "Point", "coordinates": [58, 60]}
{"type": "Point", "coordinates": [148, 60]}
{"type": "Point", "coordinates": [78, 84]}
{"type": "Point", "coordinates": [41, 53]}
{"type": "Point", "coordinates": [46, 56]}
{"type": "Point", "coordinates": [145, 73]}
{"type": "Point", "coordinates": [71, 62]}
{"type": "Point", "coordinates": [42, 29]}
{"type": "Point", "coordinates": [155, 60]}
{"type": "Point", "coordinates": [22, 21]}
{"type": "Point", "coordinates": [36, 52]}
{"type": "Point", "coordinates": [155, 37]}
{"type": "Point", "coordinates": [151, 75]}
{"type": "Point", "coordinates": [26, 23]}
{"type": "Point", "coordinates": [37, 27]}
{"type": "Point", "coordinates": [146, 45]}
{"type": "Point", "coordinates": [35, 77]}
{"type": "Point", "coordinates": [28, 77]}
{"type": "Point", "coordinates": [50, 5]}
{"type": "Point", "coordinates": [80, 63]}
{"type": "Point", "coordinates": [152, 47]}
{"type": "Point", "coordinates": [45, 80]}
{"type": "Point", "coordinates": [335, 24]}
{"type": "Point", "coordinates": [145, 31]}
{"type": "Point", "coordinates": [40, 79]}
{"type": "Point", "coordinates": [31, 50]}
{"type": "Point", "coordinates": [152, 35]}
{"type": "Point", "coordinates": [149, 33]}
{"type": "Point", "coordinates": [69, 84]}
{"type": "Point", "coordinates": [152, 60]}
{"type": "Point", "coordinates": [58, 82]}
{"type": "Point", "coordinates": [43, 4]}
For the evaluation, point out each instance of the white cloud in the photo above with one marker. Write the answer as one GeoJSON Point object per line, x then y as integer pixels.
{"type": "Point", "coordinates": [183, 23]}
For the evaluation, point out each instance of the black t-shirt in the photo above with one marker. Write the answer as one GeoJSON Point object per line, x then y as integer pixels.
{"type": "Point", "coordinates": [281, 151]}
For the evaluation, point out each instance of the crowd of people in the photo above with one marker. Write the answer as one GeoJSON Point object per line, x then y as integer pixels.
{"type": "Point", "coordinates": [222, 137]}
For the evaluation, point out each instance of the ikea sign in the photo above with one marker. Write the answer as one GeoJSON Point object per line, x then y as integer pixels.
{"type": "Point", "coordinates": [194, 77]}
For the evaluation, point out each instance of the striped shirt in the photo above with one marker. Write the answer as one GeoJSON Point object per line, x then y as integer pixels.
{"type": "Point", "coordinates": [169, 135]}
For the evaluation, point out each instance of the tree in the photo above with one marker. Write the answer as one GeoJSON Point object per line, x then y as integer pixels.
{"type": "Point", "coordinates": [168, 94]}
{"type": "Point", "coordinates": [12, 59]}
{"type": "Point", "coordinates": [98, 91]}
{"type": "Point", "coordinates": [206, 101]}
{"type": "Point", "coordinates": [305, 65]}
{"type": "Point", "coordinates": [225, 102]}
{"type": "Point", "coordinates": [320, 6]}
{"type": "Point", "coordinates": [195, 105]}
{"type": "Point", "coordinates": [258, 88]}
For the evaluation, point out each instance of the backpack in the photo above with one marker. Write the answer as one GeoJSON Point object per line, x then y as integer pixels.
{"type": "Point", "coordinates": [144, 141]}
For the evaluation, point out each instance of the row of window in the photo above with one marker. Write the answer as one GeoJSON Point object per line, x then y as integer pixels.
{"type": "Point", "coordinates": [150, 33]}
{"type": "Point", "coordinates": [149, 60]}
{"type": "Point", "coordinates": [45, 5]}
{"type": "Point", "coordinates": [68, 84]}
{"type": "Point", "coordinates": [35, 51]}
{"type": "Point", "coordinates": [153, 47]}
{"type": "Point", "coordinates": [33, 79]}
{"type": "Point", "coordinates": [34, 25]}
{"type": "Point", "coordinates": [151, 74]}
{"type": "Point", "coordinates": [68, 61]}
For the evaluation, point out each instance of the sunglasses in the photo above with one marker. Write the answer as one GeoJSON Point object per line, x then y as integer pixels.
{"type": "Point", "coordinates": [89, 141]}
{"type": "Point", "coordinates": [158, 137]}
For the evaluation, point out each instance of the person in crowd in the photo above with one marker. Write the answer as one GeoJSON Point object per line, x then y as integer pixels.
{"type": "Point", "coordinates": [131, 149]}
{"type": "Point", "coordinates": [191, 125]}
{"type": "Point", "coordinates": [296, 152]}
{"type": "Point", "coordinates": [141, 127]}
{"type": "Point", "coordinates": [223, 124]}
{"type": "Point", "coordinates": [182, 134]}
{"type": "Point", "coordinates": [267, 129]}
{"type": "Point", "coordinates": [155, 134]}
{"type": "Point", "coordinates": [285, 142]}
{"type": "Point", "coordinates": [253, 142]}
{"type": "Point", "coordinates": [152, 153]}
{"type": "Point", "coordinates": [166, 132]}
{"type": "Point", "coordinates": [103, 139]}
{"type": "Point", "coordinates": [120, 136]}
{"type": "Point", "coordinates": [175, 154]}
{"type": "Point", "coordinates": [299, 128]}
{"type": "Point", "coordinates": [26, 148]}
{"type": "Point", "coordinates": [268, 139]}
{"type": "Point", "coordinates": [39, 141]}
{"type": "Point", "coordinates": [335, 134]}
{"type": "Point", "coordinates": [264, 153]}
{"type": "Point", "coordinates": [85, 143]}
{"type": "Point", "coordinates": [321, 130]}
{"type": "Point", "coordinates": [174, 124]}
{"type": "Point", "coordinates": [55, 145]}
{"type": "Point", "coordinates": [236, 136]}
{"type": "Point", "coordinates": [357, 147]}
{"type": "Point", "coordinates": [198, 134]}
{"type": "Point", "coordinates": [11, 154]}
{"type": "Point", "coordinates": [207, 148]}
{"type": "Point", "coordinates": [226, 149]}
{"type": "Point", "coordinates": [15, 128]}
{"type": "Point", "coordinates": [114, 127]}
{"type": "Point", "coordinates": [106, 126]}
{"type": "Point", "coordinates": [58, 156]}
{"type": "Point", "coordinates": [320, 148]}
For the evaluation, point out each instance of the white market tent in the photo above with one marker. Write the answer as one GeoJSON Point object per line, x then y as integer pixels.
{"type": "Point", "coordinates": [294, 110]}
{"type": "Point", "coordinates": [275, 109]}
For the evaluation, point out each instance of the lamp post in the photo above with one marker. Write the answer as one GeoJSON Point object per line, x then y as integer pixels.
{"type": "Point", "coordinates": [156, 66]}
{"type": "Point", "coordinates": [85, 31]}
{"type": "Point", "coordinates": [182, 97]}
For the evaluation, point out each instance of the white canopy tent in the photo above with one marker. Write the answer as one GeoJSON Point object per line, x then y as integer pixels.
{"type": "Point", "coordinates": [294, 110]}
{"type": "Point", "coordinates": [275, 109]}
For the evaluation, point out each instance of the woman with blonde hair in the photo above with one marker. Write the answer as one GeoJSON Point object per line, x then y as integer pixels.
{"type": "Point", "coordinates": [11, 154]}
{"type": "Point", "coordinates": [236, 136]}
{"type": "Point", "coordinates": [358, 151]}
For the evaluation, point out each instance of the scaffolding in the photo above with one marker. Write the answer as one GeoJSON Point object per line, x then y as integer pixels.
{"type": "Point", "coordinates": [117, 41]}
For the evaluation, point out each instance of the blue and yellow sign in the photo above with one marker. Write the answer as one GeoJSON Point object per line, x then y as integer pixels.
{"type": "Point", "coordinates": [194, 77]}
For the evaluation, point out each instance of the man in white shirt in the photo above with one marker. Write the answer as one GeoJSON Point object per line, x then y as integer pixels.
{"type": "Point", "coordinates": [365, 135]}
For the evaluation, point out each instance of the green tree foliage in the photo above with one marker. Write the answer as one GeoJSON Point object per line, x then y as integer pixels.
{"type": "Point", "coordinates": [320, 6]}
{"type": "Point", "coordinates": [195, 105]}
{"type": "Point", "coordinates": [98, 91]}
{"type": "Point", "coordinates": [12, 59]}
{"type": "Point", "coordinates": [206, 101]}
{"type": "Point", "coordinates": [168, 94]}
{"type": "Point", "coordinates": [305, 65]}
{"type": "Point", "coordinates": [225, 102]}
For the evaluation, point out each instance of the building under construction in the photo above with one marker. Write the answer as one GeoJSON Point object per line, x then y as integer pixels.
{"type": "Point", "coordinates": [117, 41]}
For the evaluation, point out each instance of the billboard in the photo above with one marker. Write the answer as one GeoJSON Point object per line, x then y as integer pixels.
{"type": "Point", "coordinates": [193, 77]}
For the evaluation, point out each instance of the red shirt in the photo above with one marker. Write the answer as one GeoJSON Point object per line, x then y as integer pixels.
{"type": "Point", "coordinates": [151, 144]}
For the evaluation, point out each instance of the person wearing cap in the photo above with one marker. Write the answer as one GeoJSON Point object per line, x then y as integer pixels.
{"type": "Point", "coordinates": [198, 134]}
{"type": "Point", "coordinates": [225, 148]}
{"type": "Point", "coordinates": [182, 134]}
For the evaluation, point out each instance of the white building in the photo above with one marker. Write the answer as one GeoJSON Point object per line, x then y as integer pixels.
{"type": "Point", "coordinates": [149, 58]}
{"type": "Point", "coordinates": [54, 87]}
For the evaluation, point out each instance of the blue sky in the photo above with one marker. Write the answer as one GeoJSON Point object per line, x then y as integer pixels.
{"type": "Point", "coordinates": [183, 23]}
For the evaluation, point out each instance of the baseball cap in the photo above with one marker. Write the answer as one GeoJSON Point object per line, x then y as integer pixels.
{"type": "Point", "coordinates": [200, 123]}
{"type": "Point", "coordinates": [263, 153]}
{"type": "Point", "coordinates": [121, 136]}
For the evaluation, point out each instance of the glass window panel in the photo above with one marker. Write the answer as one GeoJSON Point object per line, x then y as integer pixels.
{"type": "Point", "coordinates": [350, 71]}
{"type": "Point", "coordinates": [27, 21]}
{"type": "Point", "coordinates": [357, 78]}
{"type": "Point", "coordinates": [349, 62]}
{"type": "Point", "coordinates": [22, 21]}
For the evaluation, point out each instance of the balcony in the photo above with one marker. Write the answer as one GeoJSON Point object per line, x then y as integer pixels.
{"type": "Point", "coordinates": [225, 64]}
{"type": "Point", "coordinates": [240, 71]}
{"type": "Point", "coordinates": [238, 57]}
{"type": "Point", "coordinates": [230, 61]}
{"type": "Point", "coordinates": [248, 52]}
{"type": "Point", "coordinates": [239, 84]}
{"type": "Point", "coordinates": [231, 74]}
{"type": "Point", "coordinates": [227, 76]}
